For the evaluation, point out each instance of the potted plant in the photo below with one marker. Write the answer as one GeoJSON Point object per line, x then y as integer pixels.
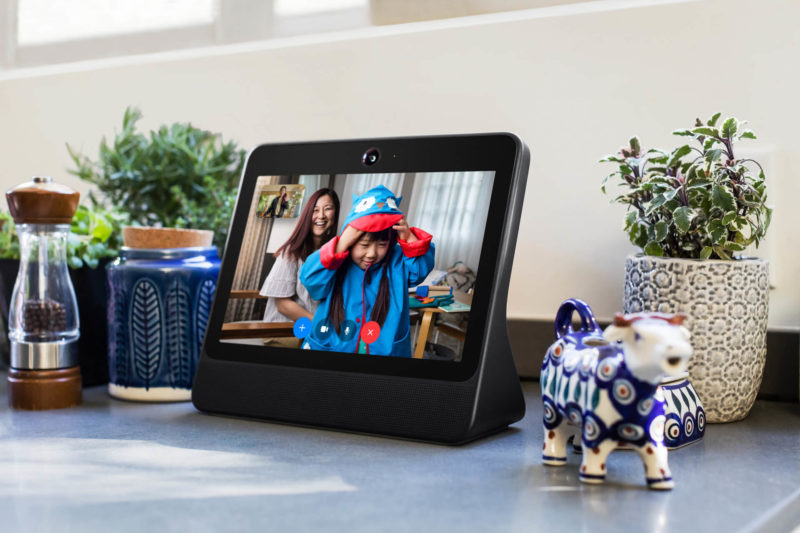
{"type": "Point", "coordinates": [93, 242]}
{"type": "Point", "coordinates": [177, 177]}
{"type": "Point", "coordinates": [178, 186]}
{"type": "Point", "coordinates": [692, 211]}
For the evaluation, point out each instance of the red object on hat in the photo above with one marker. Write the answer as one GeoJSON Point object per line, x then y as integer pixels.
{"type": "Point", "coordinates": [376, 222]}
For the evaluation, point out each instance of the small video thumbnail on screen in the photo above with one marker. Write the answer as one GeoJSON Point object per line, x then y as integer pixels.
{"type": "Point", "coordinates": [361, 264]}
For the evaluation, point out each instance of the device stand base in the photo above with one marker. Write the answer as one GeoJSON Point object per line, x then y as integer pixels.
{"type": "Point", "coordinates": [39, 390]}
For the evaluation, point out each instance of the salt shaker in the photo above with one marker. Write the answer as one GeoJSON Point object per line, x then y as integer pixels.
{"type": "Point", "coordinates": [43, 318]}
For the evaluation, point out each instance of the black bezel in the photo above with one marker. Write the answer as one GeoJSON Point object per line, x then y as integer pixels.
{"type": "Point", "coordinates": [485, 152]}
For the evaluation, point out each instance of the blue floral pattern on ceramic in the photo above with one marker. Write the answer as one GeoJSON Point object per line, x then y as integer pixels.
{"type": "Point", "coordinates": [587, 382]}
{"type": "Point", "coordinates": [158, 314]}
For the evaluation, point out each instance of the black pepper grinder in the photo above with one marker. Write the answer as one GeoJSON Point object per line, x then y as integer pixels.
{"type": "Point", "coordinates": [43, 319]}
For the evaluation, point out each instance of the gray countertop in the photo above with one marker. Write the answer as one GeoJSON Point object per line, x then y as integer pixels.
{"type": "Point", "coordinates": [111, 465]}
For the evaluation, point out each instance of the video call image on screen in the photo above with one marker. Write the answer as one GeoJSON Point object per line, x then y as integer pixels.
{"type": "Point", "coordinates": [369, 264]}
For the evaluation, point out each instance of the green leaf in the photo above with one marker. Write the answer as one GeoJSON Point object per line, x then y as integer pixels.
{"type": "Point", "coordinates": [661, 231]}
{"type": "Point", "coordinates": [717, 233]}
{"type": "Point", "coordinates": [722, 253]}
{"type": "Point", "coordinates": [728, 218]}
{"type": "Point", "coordinates": [638, 235]}
{"type": "Point", "coordinates": [672, 205]}
{"type": "Point", "coordinates": [683, 218]}
{"type": "Point", "coordinates": [653, 248]}
{"type": "Point", "coordinates": [709, 132]}
{"type": "Point", "coordinates": [747, 134]}
{"type": "Point", "coordinates": [657, 202]}
{"type": "Point", "coordinates": [706, 252]}
{"type": "Point", "coordinates": [723, 199]}
{"type": "Point", "coordinates": [677, 154]}
{"type": "Point", "coordinates": [713, 155]}
{"type": "Point", "coordinates": [683, 133]}
{"type": "Point", "coordinates": [713, 121]}
{"type": "Point", "coordinates": [729, 128]}
{"type": "Point", "coordinates": [102, 229]}
{"type": "Point", "coordinates": [630, 218]}
{"type": "Point", "coordinates": [636, 148]}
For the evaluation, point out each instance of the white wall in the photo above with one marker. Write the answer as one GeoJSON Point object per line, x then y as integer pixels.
{"type": "Point", "coordinates": [574, 86]}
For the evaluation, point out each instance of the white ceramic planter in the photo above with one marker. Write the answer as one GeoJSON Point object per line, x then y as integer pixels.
{"type": "Point", "coordinates": [727, 304]}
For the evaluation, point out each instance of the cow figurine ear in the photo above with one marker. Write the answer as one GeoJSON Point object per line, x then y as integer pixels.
{"type": "Point", "coordinates": [619, 330]}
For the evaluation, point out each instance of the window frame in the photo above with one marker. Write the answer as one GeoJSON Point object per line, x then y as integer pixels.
{"type": "Point", "coordinates": [234, 21]}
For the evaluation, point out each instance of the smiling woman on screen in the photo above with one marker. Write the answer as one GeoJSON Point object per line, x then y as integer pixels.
{"type": "Point", "coordinates": [288, 298]}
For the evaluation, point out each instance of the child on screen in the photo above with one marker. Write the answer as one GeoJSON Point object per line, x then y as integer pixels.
{"type": "Point", "coordinates": [363, 275]}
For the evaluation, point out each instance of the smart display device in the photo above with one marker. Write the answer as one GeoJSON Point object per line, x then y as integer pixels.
{"type": "Point", "coordinates": [363, 287]}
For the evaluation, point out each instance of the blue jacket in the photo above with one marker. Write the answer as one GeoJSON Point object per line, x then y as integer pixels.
{"type": "Point", "coordinates": [408, 265]}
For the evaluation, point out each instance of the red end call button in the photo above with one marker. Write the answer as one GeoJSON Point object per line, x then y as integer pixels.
{"type": "Point", "coordinates": [370, 332]}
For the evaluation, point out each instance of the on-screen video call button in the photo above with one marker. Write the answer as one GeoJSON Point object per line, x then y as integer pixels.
{"type": "Point", "coordinates": [302, 327]}
{"type": "Point", "coordinates": [348, 331]}
{"type": "Point", "coordinates": [323, 330]}
{"type": "Point", "coordinates": [370, 332]}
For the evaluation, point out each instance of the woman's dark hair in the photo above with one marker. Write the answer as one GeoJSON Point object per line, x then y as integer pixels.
{"type": "Point", "coordinates": [382, 301]}
{"type": "Point", "coordinates": [301, 242]}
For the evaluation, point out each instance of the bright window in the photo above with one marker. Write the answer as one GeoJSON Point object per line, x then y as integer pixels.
{"type": "Point", "coordinates": [49, 21]}
{"type": "Point", "coordinates": [288, 8]}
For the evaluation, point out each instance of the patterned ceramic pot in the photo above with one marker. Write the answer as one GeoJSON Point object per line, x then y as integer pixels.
{"type": "Point", "coordinates": [685, 416]}
{"type": "Point", "coordinates": [727, 304]}
{"type": "Point", "coordinates": [157, 317]}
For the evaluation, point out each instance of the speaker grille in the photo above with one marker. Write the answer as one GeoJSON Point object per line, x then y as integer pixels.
{"type": "Point", "coordinates": [413, 408]}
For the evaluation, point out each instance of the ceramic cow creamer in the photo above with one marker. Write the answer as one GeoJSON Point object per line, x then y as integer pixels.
{"type": "Point", "coordinates": [607, 385]}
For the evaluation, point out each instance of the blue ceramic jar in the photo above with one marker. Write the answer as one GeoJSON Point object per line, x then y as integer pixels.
{"type": "Point", "coordinates": [160, 301]}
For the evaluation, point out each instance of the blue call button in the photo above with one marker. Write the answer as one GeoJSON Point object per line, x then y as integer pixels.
{"type": "Point", "coordinates": [348, 331]}
{"type": "Point", "coordinates": [302, 328]}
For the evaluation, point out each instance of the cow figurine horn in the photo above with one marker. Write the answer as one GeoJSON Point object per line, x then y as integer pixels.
{"type": "Point", "coordinates": [677, 320]}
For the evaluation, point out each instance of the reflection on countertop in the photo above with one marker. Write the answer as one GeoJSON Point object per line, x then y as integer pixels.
{"type": "Point", "coordinates": [128, 466]}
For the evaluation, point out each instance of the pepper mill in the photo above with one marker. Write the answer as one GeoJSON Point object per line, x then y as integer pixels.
{"type": "Point", "coordinates": [43, 319]}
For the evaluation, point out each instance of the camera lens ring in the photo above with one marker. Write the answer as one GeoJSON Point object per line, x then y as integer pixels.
{"type": "Point", "coordinates": [370, 157]}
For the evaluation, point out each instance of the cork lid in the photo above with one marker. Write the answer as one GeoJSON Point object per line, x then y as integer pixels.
{"type": "Point", "coordinates": [42, 201]}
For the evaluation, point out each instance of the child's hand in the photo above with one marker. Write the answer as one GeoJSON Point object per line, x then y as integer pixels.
{"type": "Point", "coordinates": [403, 232]}
{"type": "Point", "coordinates": [349, 237]}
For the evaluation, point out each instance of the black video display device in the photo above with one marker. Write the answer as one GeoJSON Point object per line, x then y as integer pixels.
{"type": "Point", "coordinates": [363, 287]}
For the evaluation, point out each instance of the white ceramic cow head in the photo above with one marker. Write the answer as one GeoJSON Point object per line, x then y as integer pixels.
{"type": "Point", "coordinates": [655, 344]}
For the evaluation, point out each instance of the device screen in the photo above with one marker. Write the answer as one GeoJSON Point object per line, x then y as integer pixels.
{"type": "Point", "coordinates": [363, 264]}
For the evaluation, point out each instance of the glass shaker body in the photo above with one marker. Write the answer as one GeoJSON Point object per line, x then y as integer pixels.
{"type": "Point", "coordinates": [43, 319]}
